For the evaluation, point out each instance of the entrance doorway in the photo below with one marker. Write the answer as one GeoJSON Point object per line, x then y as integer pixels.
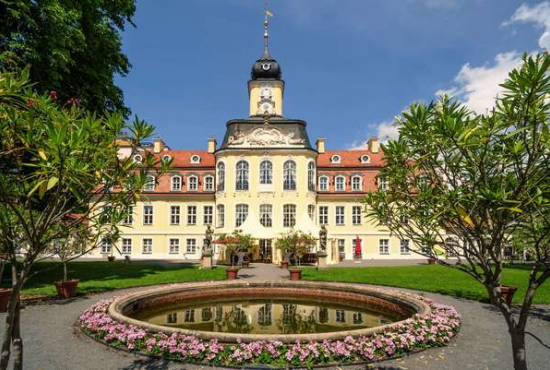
{"type": "Point", "coordinates": [266, 251]}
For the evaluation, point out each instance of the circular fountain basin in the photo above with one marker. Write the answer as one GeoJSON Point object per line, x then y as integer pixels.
{"type": "Point", "coordinates": [267, 310]}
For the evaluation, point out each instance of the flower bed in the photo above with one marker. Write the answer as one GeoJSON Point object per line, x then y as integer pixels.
{"type": "Point", "coordinates": [434, 330]}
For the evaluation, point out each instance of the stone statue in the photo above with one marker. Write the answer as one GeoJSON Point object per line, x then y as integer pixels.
{"type": "Point", "coordinates": [207, 248]}
{"type": "Point", "coordinates": [323, 238]}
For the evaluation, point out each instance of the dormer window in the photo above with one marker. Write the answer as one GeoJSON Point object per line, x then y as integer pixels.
{"type": "Point", "coordinates": [340, 183]}
{"type": "Point", "coordinates": [208, 183]}
{"type": "Point", "coordinates": [335, 158]}
{"type": "Point", "coordinates": [193, 183]}
{"type": "Point", "coordinates": [356, 183]}
{"type": "Point", "coordinates": [150, 184]}
{"type": "Point", "coordinates": [138, 158]}
{"type": "Point", "coordinates": [195, 159]}
{"type": "Point", "coordinates": [365, 159]}
{"type": "Point", "coordinates": [323, 183]}
{"type": "Point", "coordinates": [166, 158]}
{"type": "Point", "coordinates": [176, 183]}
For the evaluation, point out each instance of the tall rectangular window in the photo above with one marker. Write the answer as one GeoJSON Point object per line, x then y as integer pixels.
{"type": "Point", "coordinates": [323, 183]}
{"type": "Point", "coordinates": [356, 183]}
{"type": "Point", "coordinates": [340, 183]}
{"type": "Point", "coordinates": [221, 215]}
{"type": "Point", "coordinates": [405, 246]}
{"type": "Point", "coordinates": [384, 246]}
{"type": "Point", "coordinates": [266, 213]}
{"type": "Point", "coordinates": [340, 215]}
{"type": "Point", "coordinates": [174, 245]}
{"type": "Point", "coordinates": [176, 183]}
{"type": "Point", "coordinates": [191, 245]}
{"type": "Point", "coordinates": [174, 215]}
{"type": "Point", "coordinates": [341, 245]}
{"type": "Point", "coordinates": [129, 219]}
{"type": "Point", "coordinates": [382, 184]}
{"type": "Point", "coordinates": [289, 215]}
{"type": "Point", "coordinates": [208, 215]}
{"type": "Point", "coordinates": [192, 183]}
{"type": "Point", "coordinates": [147, 215]}
{"type": "Point", "coordinates": [241, 213]}
{"type": "Point", "coordinates": [356, 215]}
{"type": "Point", "coordinates": [147, 246]}
{"type": "Point", "coordinates": [311, 212]}
{"type": "Point", "coordinates": [105, 246]}
{"type": "Point", "coordinates": [323, 215]}
{"type": "Point", "coordinates": [191, 215]}
{"type": "Point", "coordinates": [126, 245]}
{"type": "Point", "coordinates": [209, 183]}
{"type": "Point", "coordinates": [340, 316]}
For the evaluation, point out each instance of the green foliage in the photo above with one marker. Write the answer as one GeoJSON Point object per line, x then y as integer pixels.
{"type": "Point", "coordinates": [295, 243]}
{"type": "Point", "coordinates": [235, 242]}
{"type": "Point", "coordinates": [73, 47]}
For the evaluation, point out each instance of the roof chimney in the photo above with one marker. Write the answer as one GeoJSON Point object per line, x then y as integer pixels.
{"type": "Point", "coordinates": [211, 145]}
{"type": "Point", "coordinates": [320, 145]}
{"type": "Point", "coordinates": [158, 145]}
{"type": "Point", "coordinates": [374, 145]}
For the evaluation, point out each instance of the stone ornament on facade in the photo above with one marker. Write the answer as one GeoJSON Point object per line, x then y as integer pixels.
{"type": "Point", "coordinates": [265, 136]}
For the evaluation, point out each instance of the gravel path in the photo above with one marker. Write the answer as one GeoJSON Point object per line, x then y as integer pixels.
{"type": "Point", "coordinates": [52, 343]}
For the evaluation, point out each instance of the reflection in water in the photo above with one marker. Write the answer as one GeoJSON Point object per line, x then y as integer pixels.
{"type": "Point", "coordinates": [267, 316]}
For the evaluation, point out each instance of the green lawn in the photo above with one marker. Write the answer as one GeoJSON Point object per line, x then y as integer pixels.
{"type": "Point", "coordinates": [434, 278]}
{"type": "Point", "coordinates": [103, 276]}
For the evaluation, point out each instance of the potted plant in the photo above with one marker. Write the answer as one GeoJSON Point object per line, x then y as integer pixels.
{"type": "Point", "coordinates": [66, 249]}
{"type": "Point", "coordinates": [294, 245]}
{"type": "Point", "coordinates": [236, 244]}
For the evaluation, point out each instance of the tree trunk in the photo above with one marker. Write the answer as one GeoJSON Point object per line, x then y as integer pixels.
{"type": "Point", "coordinates": [7, 336]}
{"type": "Point", "coordinates": [518, 349]}
{"type": "Point", "coordinates": [65, 271]}
{"type": "Point", "coordinates": [17, 341]}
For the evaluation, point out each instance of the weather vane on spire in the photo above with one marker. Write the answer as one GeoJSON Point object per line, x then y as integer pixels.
{"type": "Point", "coordinates": [267, 14]}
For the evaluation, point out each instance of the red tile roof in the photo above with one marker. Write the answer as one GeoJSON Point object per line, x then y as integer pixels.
{"type": "Point", "coordinates": [350, 158]}
{"type": "Point", "coordinates": [182, 158]}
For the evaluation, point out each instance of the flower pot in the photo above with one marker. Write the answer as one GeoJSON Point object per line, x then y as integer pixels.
{"type": "Point", "coordinates": [507, 292]}
{"type": "Point", "coordinates": [111, 258]}
{"type": "Point", "coordinates": [284, 264]}
{"type": "Point", "coordinates": [295, 274]}
{"type": "Point", "coordinates": [5, 295]}
{"type": "Point", "coordinates": [66, 289]}
{"type": "Point", "coordinates": [246, 264]}
{"type": "Point", "coordinates": [231, 273]}
{"type": "Point", "coordinates": [431, 261]}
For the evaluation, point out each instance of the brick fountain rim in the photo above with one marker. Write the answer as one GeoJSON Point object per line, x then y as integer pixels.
{"type": "Point", "coordinates": [122, 306]}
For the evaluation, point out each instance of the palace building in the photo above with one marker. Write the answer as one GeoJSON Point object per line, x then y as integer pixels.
{"type": "Point", "coordinates": [264, 178]}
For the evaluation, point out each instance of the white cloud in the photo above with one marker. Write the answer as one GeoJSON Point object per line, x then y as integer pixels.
{"type": "Point", "coordinates": [478, 87]}
{"type": "Point", "coordinates": [539, 15]}
{"type": "Point", "coordinates": [384, 131]}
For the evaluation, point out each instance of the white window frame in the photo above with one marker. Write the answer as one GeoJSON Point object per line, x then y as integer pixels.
{"type": "Point", "coordinates": [148, 217]}
{"type": "Point", "coordinates": [195, 158]}
{"type": "Point", "coordinates": [323, 215]}
{"type": "Point", "coordinates": [340, 215]}
{"type": "Point", "coordinates": [289, 175]}
{"type": "Point", "coordinates": [382, 184]}
{"type": "Point", "coordinates": [323, 183]}
{"type": "Point", "coordinates": [175, 183]}
{"type": "Point", "coordinates": [220, 208]}
{"type": "Point", "coordinates": [174, 245]}
{"type": "Point", "coordinates": [266, 215]}
{"type": "Point", "coordinates": [356, 215]}
{"type": "Point", "coordinates": [359, 183]}
{"type": "Point", "coordinates": [166, 157]}
{"type": "Point", "coordinates": [343, 183]}
{"type": "Point", "coordinates": [220, 185]}
{"type": "Point", "coordinates": [106, 246]}
{"type": "Point", "coordinates": [384, 248]}
{"type": "Point", "coordinates": [405, 246]}
{"type": "Point", "coordinates": [208, 184]}
{"type": "Point", "coordinates": [311, 176]}
{"type": "Point", "coordinates": [126, 246]}
{"type": "Point", "coordinates": [138, 158]}
{"type": "Point", "coordinates": [191, 246]}
{"type": "Point", "coordinates": [193, 183]}
{"type": "Point", "coordinates": [311, 211]}
{"type": "Point", "coordinates": [266, 172]}
{"type": "Point", "coordinates": [341, 245]}
{"type": "Point", "coordinates": [175, 217]}
{"type": "Point", "coordinates": [147, 249]}
{"type": "Point", "coordinates": [335, 159]}
{"type": "Point", "coordinates": [191, 215]}
{"type": "Point", "coordinates": [241, 214]}
{"type": "Point", "coordinates": [208, 215]}
{"type": "Point", "coordinates": [289, 215]}
{"type": "Point", "coordinates": [129, 219]}
{"type": "Point", "coordinates": [365, 158]}
{"type": "Point", "coordinates": [242, 175]}
{"type": "Point", "coordinates": [150, 185]}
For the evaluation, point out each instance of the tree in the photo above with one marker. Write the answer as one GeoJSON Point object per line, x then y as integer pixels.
{"type": "Point", "coordinates": [294, 244]}
{"type": "Point", "coordinates": [469, 184]}
{"type": "Point", "coordinates": [236, 242]}
{"type": "Point", "coordinates": [59, 170]}
{"type": "Point", "coordinates": [73, 47]}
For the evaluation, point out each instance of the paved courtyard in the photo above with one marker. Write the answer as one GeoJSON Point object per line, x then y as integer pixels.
{"type": "Point", "coordinates": [53, 343]}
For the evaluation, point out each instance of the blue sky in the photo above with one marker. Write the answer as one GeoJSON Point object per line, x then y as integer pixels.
{"type": "Point", "coordinates": [350, 66]}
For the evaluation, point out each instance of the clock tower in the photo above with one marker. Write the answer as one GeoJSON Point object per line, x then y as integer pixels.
{"type": "Point", "coordinates": [266, 87]}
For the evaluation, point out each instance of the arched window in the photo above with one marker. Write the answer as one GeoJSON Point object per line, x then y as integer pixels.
{"type": "Point", "coordinates": [266, 172]}
{"type": "Point", "coordinates": [176, 183]}
{"type": "Point", "coordinates": [289, 174]}
{"type": "Point", "coordinates": [365, 159]}
{"type": "Point", "coordinates": [311, 176]}
{"type": "Point", "coordinates": [323, 183]}
{"type": "Point", "coordinates": [208, 183]}
{"type": "Point", "coordinates": [150, 185]}
{"type": "Point", "coordinates": [241, 213]}
{"type": "Point", "coordinates": [340, 183]}
{"type": "Point", "coordinates": [356, 183]}
{"type": "Point", "coordinates": [193, 183]}
{"type": "Point", "coordinates": [242, 176]}
{"type": "Point", "coordinates": [221, 177]}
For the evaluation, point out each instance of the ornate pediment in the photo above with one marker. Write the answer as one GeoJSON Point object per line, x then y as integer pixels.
{"type": "Point", "coordinates": [265, 136]}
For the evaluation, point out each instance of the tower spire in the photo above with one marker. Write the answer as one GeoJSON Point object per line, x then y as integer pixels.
{"type": "Point", "coordinates": [267, 13]}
